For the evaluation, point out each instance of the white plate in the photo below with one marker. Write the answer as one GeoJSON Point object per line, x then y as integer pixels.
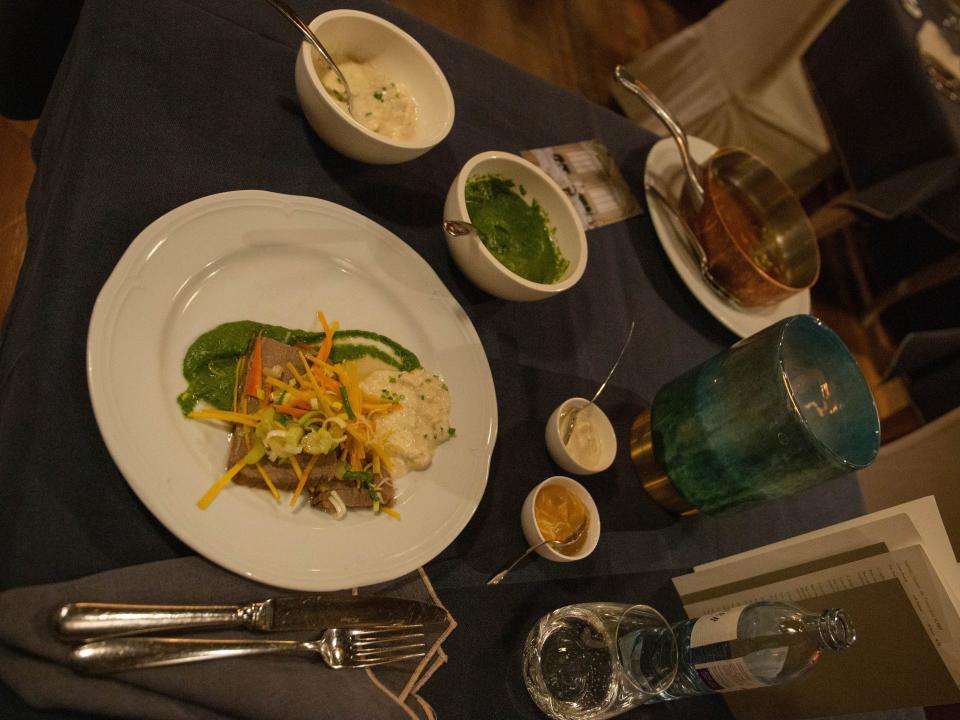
{"type": "Point", "coordinates": [664, 171]}
{"type": "Point", "coordinates": [277, 259]}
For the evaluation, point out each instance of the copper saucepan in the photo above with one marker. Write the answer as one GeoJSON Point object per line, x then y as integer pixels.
{"type": "Point", "coordinates": [759, 244]}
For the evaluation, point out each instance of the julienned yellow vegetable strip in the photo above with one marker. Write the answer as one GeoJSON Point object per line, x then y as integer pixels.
{"type": "Point", "coordinates": [356, 434]}
{"type": "Point", "coordinates": [357, 455]}
{"type": "Point", "coordinates": [269, 482]}
{"type": "Point", "coordinates": [302, 476]}
{"type": "Point", "coordinates": [320, 395]}
{"type": "Point", "coordinates": [323, 365]}
{"type": "Point", "coordinates": [296, 373]}
{"type": "Point", "coordinates": [219, 485]}
{"type": "Point", "coordinates": [375, 407]}
{"type": "Point", "coordinates": [381, 455]}
{"type": "Point", "coordinates": [301, 480]}
{"type": "Point", "coordinates": [225, 416]}
{"type": "Point", "coordinates": [390, 511]}
{"type": "Point", "coordinates": [296, 392]}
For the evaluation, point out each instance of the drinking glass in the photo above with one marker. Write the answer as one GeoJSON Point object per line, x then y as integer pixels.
{"type": "Point", "coordinates": [596, 660]}
{"type": "Point", "coordinates": [778, 412]}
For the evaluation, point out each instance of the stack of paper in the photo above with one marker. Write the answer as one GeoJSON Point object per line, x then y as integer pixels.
{"type": "Point", "coordinates": [895, 573]}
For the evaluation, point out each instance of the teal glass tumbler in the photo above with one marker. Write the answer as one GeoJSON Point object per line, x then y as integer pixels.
{"type": "Point", "coordinates": [780, 411]}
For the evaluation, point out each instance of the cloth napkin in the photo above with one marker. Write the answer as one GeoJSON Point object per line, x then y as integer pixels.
{"type": "Point", "coordinates": [33, 659]}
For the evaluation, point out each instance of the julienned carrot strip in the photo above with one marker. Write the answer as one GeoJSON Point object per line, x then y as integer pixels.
{"type": "Point", "coordinates": [291, 411]}
{"type": "Point", "coordinates": [255, 371]}
{"type": "Point", "coordinates": [324, 379]}
{"type": "Point", "coordinates": [324, 354]}
{"type": "Point", "coordinates": [327, 345]}
{"type": "Point", "coordinates": [219, 485]}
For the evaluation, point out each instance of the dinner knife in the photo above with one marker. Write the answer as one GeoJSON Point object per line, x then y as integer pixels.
{"type": "Point", "coordinates": [85, 620]}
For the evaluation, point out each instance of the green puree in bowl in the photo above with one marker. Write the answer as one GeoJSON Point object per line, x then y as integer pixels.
{"type": "Point", "coordinates": [518, 234]}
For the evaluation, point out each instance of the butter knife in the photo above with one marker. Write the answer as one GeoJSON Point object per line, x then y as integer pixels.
{"type": "Point", "coordinates": [86, 620]}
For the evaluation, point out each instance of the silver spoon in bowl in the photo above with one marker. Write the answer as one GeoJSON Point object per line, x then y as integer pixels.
{"type": "Point", "coordinates": [569, 540]}
{"type": "Point", "coordinates": [291, 15]}
{"type": "Point", "coordinates": [570, 417]}
{"type": "Point", "coordinates": [459, 228]}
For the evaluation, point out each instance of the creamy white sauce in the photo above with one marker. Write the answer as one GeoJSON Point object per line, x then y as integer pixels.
{"type": "Point", "coordinates": [584, 445]}
{"type": "Point", "coordinates": [413, 432]}
{"type": "Point", "coordinates": [379, 104]}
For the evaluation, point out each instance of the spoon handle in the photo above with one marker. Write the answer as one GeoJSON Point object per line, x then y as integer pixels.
{"type": "Point", "coordinates": [571, 417]}
{"type": "Point", "coordinates": [616, 364]}
{"type": "Point", "coordinates": [667, 118]}
{"type": "Point", "coordinates": [495, 580]}
{"type": "Point", "coordinates": [289, 13]}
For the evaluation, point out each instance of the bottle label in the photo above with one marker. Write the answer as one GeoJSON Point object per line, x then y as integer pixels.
{"type": "Point", "coordinates": [710, 653]}
{"type": "Point", "coordinates": [716, 628]}
{"type": "Point", "coordinates": [726, 675]}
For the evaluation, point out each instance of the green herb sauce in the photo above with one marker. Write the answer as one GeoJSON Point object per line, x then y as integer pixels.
{"type": "Point", "coordinates": [210, 364]}
{"type": "Point", "coordinates": [519, 235]}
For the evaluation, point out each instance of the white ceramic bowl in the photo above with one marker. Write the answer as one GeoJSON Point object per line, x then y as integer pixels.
{"type": "Point", "coordinates": [561, 455]}
{"type": "Point", "coordinates": [533, 535]}
{"type": "Point", "coordinates": [361, 37]}
{"type": "Point", "coordinates": [479, 264]}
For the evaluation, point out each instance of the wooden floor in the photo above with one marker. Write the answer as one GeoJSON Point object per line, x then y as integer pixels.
{"type": "Point", "coordinates": [16, 174]}
{"type": "Point", "coordinates": [575, 44]}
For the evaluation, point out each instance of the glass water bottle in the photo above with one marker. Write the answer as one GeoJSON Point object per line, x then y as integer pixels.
{"type": "Point", "coordinates": [595, 660]}
{"type": "Point", "coordinates": [757, 645]}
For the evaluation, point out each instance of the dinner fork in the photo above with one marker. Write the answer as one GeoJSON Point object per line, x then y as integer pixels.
{"type": "Point", "coordinates": [339, 648]}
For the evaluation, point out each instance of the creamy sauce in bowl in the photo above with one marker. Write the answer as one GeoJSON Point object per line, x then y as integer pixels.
{"type": "Point", "coordinates": [585, 445]}
{"type": "Point", "coordinates": [422, 422]}
{"type": "Point", "coordinates": [379, 104]}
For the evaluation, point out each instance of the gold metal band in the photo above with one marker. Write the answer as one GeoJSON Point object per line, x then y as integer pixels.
{"type": "Point", "coordinates": [652, 475]}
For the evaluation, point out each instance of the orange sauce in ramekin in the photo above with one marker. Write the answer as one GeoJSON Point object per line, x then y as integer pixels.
{"type": "Point", "coordinates": [559, 512]}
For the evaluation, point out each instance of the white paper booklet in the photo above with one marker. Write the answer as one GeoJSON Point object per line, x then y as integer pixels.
{"type": "Point", "coordinates": [907, 542]}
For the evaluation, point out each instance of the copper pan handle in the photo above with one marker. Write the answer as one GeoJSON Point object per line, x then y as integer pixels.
{"type": "Point", "coordinates": [693, 171]}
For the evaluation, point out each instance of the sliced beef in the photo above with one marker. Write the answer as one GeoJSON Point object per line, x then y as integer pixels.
{"type": "Point", "coordinates": [323, 473]}
{"type": "Point", "coordinates": [352, 496]}
{"type": "Point", "coordinates": [272, 354]}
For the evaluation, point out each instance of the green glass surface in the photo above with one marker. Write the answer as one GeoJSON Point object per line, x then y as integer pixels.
{"type": "Point", "coordinates": [778, 412]}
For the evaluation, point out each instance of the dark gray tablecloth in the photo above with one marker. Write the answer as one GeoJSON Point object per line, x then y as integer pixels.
{"type": "Point", "coordinates": [163, 102]}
